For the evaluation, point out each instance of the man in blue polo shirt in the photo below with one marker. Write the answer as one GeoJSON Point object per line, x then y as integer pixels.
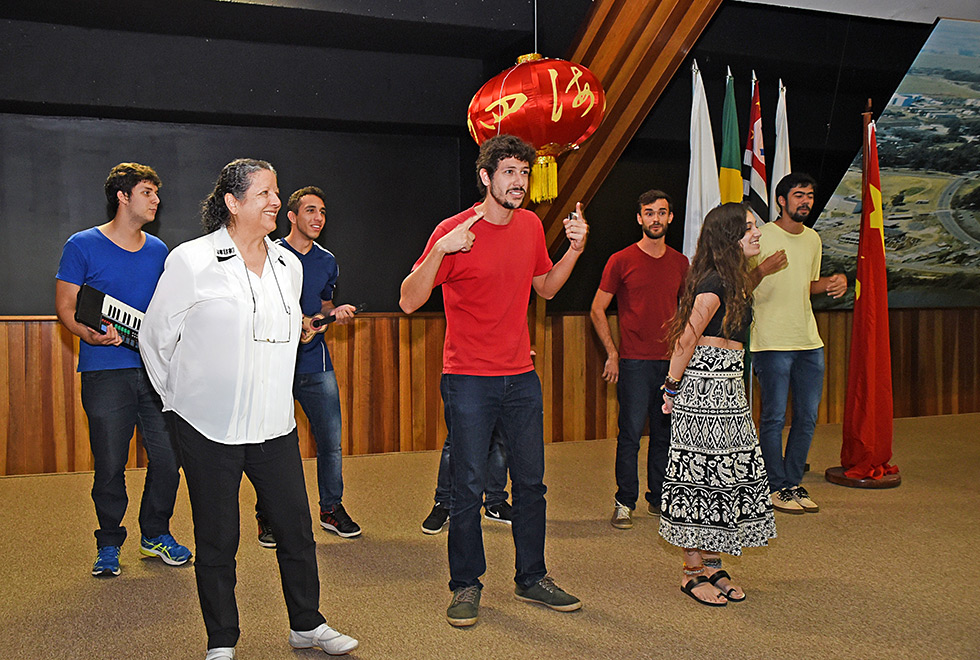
{"type": "Point", "coordinates": [315, 385]}
{"type": "Point", "coordinates": [121, 260]}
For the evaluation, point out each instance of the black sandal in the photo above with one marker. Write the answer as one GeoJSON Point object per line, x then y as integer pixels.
{"type": "Point", "coordinates": [720, 575]}
{"type": "Point", "coordinates": [693, 583]}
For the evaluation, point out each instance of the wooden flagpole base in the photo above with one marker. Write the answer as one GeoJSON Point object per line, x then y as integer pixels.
{"type": "Point", "coordinates": [835, 475]}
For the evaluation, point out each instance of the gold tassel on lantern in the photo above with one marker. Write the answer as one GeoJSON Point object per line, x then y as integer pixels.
{"type": "Point", "coordinates": [544, 179]}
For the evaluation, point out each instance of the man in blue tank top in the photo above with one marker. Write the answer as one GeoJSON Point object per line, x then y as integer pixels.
{"type": "Point", "coordinates": [121, 260]}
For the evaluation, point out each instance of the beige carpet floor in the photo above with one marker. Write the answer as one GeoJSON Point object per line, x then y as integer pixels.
{"type": "Point", "coordinates": [876, 574]}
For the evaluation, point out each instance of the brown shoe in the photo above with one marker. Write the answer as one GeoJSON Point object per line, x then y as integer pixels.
{"type": "Point", "coordinates": [782, 500]}
{"type": "Point", "coordinates": [803, 499]}
{"type": "Point", "coordinates": [622, 518]}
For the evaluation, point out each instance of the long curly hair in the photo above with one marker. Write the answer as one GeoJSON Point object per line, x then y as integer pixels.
{"type": "Point", "coordinates": [718, 251]}
{"type": "Point", "coordinates": [235, 178]}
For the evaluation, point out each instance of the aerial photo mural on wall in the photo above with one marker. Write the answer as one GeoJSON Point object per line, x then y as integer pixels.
{"type": "Point", "coordinates": [929, 156]}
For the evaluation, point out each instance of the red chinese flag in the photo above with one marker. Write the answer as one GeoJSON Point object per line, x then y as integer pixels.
{"type": "Point", "coordinates": [867, 445]}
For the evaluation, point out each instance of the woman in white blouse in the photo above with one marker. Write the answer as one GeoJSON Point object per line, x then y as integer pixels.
{"type": "Point", "coordinates": [219, 343]}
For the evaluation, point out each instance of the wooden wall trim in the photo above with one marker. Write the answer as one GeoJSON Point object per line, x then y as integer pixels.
{"type": "Point", "coordinates": [634, 48]}
{"type": "Point", "coordinates": [388, 368]}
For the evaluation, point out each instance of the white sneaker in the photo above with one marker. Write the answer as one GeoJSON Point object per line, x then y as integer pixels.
{"type": "Point", "coordinates": [221, 653]}
{"type": "Point", "coordinates": [324, 637]}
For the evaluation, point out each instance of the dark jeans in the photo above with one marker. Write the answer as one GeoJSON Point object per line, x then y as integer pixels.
{"type": "Point", "coordinates": [780, 372]}
{"type": "Point", "coordinates": [496, 492]}
{"type": "Point", "coordinates": [640, 399]}
{"type": "Point", "coordinates": [474, 405]}
{"type": "Point", "coordinates": [320, 399]}
{"type": "Point", "coordinates": [214, 473]}
{"type": "Point", "coordinates": [116, 401]}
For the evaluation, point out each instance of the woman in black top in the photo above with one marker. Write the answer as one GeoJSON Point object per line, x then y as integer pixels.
{"type": "Point", "coordinates": [716, 495]}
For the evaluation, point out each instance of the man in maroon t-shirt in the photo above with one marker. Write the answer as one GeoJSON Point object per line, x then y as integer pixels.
{"type": "Point", "coordinates": [646, 279]}
{"type": "Point", "coordinates": [486, 259]}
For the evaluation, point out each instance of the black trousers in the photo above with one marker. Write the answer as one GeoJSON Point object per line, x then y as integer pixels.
{"type": "Point", "coordinates": [213, 472]}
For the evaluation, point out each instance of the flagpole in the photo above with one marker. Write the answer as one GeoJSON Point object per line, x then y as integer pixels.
{"type": "Point", "coordinates": [866, 119]}
{"type": "Point", "coordinates": [864, 436]}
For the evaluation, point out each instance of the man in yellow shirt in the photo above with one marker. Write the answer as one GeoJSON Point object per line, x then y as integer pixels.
{"type": "Point", "coordinates": [787, 352]}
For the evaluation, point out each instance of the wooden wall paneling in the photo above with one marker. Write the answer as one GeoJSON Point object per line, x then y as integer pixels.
{"type": "Point", "coordinates": [970, 378]}
{"type": "Point", "coordinates": [361, 358]}
{"type": "Point", "coordinates": [951, 360]}
{"type": "Point", "coordinates": [837, 352]}
{"type": "Point", "coordinates": [556, 379]}
{"type": "Point", "coordinates": [612, 402]}
{"type": "Point", "coordinates": [546, 374]}
{"type": "Point", "coordinates": [417, 375]}
{"type": "Point", "coordinates": [430, 344]}
{"type": "Point", "coordinates": [897, 334]}
{"type": "Point", "coordinates": [595, 400]}
{"type": "Point", "coordinates": [573, 381]}
{"type": "Point", "coordinates": [54, 395]}
{"type": "Point", "coordinates": [375, 383]}
{"type": "Point", "coordinates": [405, 428]}
{"type": "Point", "coordinates": [16, 459]}
{"type": "Point", "coordinates": [930, 349]}
{"type": "Point", "coordinates": [935, 370]}
{"type": "Point", "coordinates": [386, 370]}
{"type": "Point", "coordinates": [83, 449]}
{"type": "Point", "coordinates": [6, 415]}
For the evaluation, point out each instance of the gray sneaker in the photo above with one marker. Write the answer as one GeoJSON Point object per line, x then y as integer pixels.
{"type": "Point", "coordinates": [546, 592]}
{"type": "Point", "coordinates": [464, 609]}
{"type": "Point", "coordinates": [622, 518]}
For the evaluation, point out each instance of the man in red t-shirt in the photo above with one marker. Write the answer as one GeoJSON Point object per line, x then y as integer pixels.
{"type": "Point", "coordinates": [646, 279]}
{"type": "Point", "coordinates": [486, 259]}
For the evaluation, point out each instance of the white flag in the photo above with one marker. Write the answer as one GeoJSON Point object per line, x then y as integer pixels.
{"type": "Point", "coordinates": [703, 192]}
{"type": "Point", "coordinates": [780, 160]}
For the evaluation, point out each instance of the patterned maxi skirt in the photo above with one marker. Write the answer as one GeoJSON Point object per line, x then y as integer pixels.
{"type": "Point", "coordinates": [716, 494]}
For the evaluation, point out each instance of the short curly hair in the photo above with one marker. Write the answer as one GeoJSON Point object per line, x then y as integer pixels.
{"type": "Point", "coordinates": [495, 150]}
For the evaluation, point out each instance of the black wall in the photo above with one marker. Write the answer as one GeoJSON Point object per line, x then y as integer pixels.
{"type": "Point", "coordinates": [373, 112]}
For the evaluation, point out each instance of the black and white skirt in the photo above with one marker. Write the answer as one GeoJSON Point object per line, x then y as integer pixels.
{"type": "Point", "coordinates": [716, 494]}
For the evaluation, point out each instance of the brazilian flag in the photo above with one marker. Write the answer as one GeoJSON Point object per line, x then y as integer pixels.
{"type": "Point", "coordinates": [730, 175]}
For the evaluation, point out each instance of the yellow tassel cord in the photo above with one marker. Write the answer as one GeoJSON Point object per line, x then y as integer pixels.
{"type": "Point", "coordinates": [544, 179]}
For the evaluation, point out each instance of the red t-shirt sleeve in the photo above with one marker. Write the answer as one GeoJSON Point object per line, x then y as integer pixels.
{"type": "Point", "coordinates": [611, 276]}
{"type": "Point", "coordinates": [441, 230]}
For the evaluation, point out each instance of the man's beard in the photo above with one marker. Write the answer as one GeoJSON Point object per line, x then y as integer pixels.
{"type": "Point", "coordinates": [650, 232]}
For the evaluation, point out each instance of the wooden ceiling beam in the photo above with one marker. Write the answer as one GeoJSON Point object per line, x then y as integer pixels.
{"type": "Point", "coordinates": [634, 47]}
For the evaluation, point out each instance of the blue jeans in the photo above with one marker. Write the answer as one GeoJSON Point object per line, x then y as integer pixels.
{"type": "Point", "coordinates": [319, 397]}
{"type": "Point", "coordinates": [474, 406]}
{"type": "Point", "coordinates": [496, 492]}
{"type": "Point", "coordinates": [116, 401]}
{"type": "Point", "coordinates": [780, 372]}
{"type": "Point", "coordinates": [640, 399]}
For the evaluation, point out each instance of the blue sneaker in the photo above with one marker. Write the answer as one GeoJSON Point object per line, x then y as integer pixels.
{"type": "Point", "coordinates": [166, 548]}
{"type": "Point", "coordinates": [106, 562]}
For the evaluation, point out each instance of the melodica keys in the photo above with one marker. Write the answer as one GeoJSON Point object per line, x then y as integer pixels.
{"type": "Point", "coordinates": [98, 311]}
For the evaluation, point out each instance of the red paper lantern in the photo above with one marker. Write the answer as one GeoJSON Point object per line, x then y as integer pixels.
{"type": "Point", "coordinates": [553, 104]}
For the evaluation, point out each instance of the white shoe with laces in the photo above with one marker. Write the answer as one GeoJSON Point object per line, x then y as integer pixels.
{"type": "Point", "coordinates": [221, 653]}
{"type": "Point", "coordinates": [323, 637]}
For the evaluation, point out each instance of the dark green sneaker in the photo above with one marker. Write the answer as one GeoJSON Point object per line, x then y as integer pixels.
{"type": "Point", "coordinates": [465, 607]}
{"type": "Point", "coordinates": [546, 592]}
